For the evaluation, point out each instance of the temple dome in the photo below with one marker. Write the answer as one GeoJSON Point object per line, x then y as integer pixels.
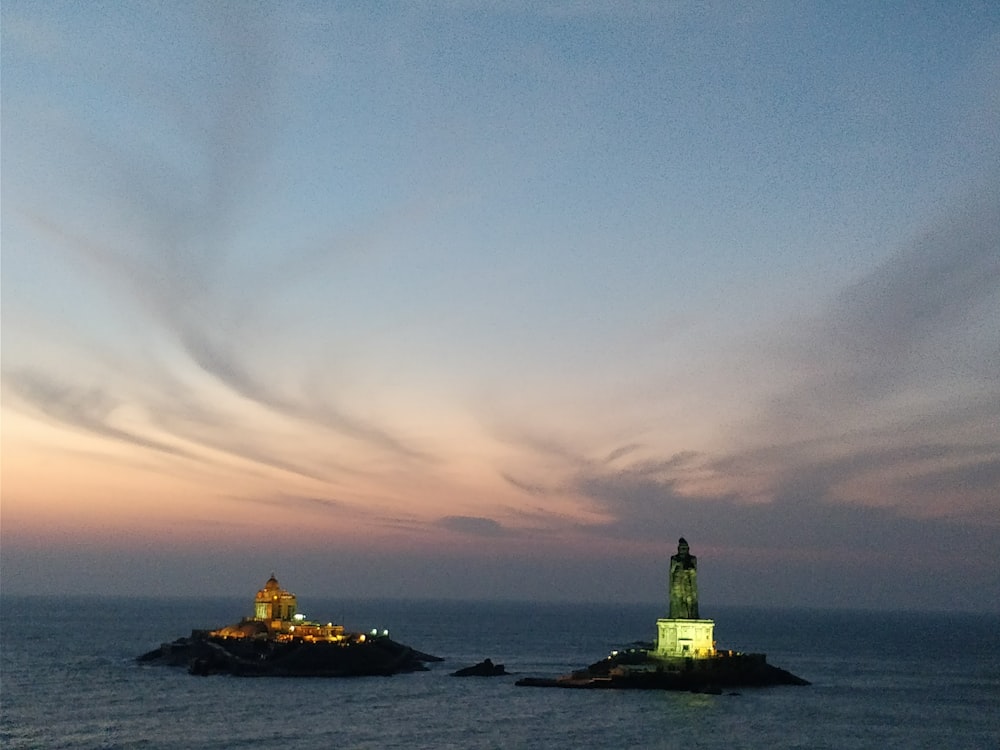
{"type": "Point", "coordinates": [273, 602]}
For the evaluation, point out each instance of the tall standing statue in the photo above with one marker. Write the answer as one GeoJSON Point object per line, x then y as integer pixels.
{"type": "Point", "coordinates": [683, 583]}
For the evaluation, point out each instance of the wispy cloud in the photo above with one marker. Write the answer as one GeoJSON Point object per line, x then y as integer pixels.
{"type": "Point", "coordinates": [882, 382]}
{"type": "Point", "coordinates": [926, 323]}
{"type": "Point", "coordinates": [655, 509]}
{"type": "Point", "coordinates": [92, 410]}
{"type": "Point", "coordinates": [89, 410]}
{"type": "Point", "coordinates": [528, 487]}
{"type": "Point", "coordinates": [872, 442]}
{"type": "Point", "coordinates": [621, 452]}
{"type": "Point", "coordinates": [182, 260]}
{"type": "Point", "coordinates": [641, 503]}
{"type": "Point", "coordinates": [295, 502]}
{"type": "Point", "coordinates": [224, 364]}
{"type": "Point", "coordinates": [473, 525]}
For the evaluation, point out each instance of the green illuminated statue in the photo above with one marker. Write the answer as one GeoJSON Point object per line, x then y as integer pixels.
{"type": "Point", "coordinates": [683, 583]}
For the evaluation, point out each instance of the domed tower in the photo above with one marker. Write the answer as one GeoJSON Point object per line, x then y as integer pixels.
{"type": "Point", "coordinates": [273, 603]}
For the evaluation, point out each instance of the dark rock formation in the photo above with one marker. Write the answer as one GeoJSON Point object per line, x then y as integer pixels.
{"type": "Point", "coordinates": [485, 668]}
{"type": "Point", "coordinates": [636, 670]}
{"type": "Point", "coordinates": [204, 654]}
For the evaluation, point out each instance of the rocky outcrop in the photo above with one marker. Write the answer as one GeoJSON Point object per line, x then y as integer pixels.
{"type": "Point", "coordinates": [204, 654]}
{"type": "Point", "coordinates": [485, 668]}
{"type": "Point", "coordinates": [639, 671]}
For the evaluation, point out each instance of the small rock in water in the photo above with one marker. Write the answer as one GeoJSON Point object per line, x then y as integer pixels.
{"type": "Point", "coordinates": [485, 668]}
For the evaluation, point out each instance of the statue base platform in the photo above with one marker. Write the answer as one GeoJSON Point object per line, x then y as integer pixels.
{"type": "Point", "coordinates": [642, 670]}
{"type": "Point", "coordinates": [685, 638]}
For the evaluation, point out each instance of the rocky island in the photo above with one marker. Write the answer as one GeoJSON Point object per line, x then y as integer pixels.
{"type": "Point", "coordinates": [485, 668]}
{"type": "Point", "coordinates": [684, 656]}
{"type": "Point", "coordinates": [279, 641]}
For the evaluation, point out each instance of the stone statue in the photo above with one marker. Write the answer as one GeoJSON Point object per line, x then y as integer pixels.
{"type": "Point", "coordinates": [683, 583]}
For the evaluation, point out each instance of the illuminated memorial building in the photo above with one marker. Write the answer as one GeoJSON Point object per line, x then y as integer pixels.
{"type": "Point", "coordinates": [278, 640]}
{"type": "Point", "coordinates": [273, 603]}
{"type": "Point", "coordinates": [276, 617]}
{"type": "Point", "coordinates": [683, 633]}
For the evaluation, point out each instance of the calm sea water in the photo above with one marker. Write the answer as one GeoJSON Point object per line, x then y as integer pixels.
{"type": "Point", "coordinates": [68, 679]}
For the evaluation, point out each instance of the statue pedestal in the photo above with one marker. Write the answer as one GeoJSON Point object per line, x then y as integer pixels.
{"type": "Point", "coordinates": [689, 638]}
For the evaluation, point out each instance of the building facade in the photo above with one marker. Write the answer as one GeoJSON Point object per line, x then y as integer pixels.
{"type": "Point", "coordinates": [689, 638]}
{"type": "Point", "coordinates": [276, 617]}
{"type": "Point", "coordinates": [273, 603]}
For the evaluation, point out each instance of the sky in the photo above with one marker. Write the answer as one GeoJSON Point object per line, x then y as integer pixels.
{"type": "Point", "coordinates": [496, 300]}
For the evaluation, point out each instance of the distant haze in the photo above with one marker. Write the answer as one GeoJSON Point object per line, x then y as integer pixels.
{"type": "Point", "coordinates": [497, 300]}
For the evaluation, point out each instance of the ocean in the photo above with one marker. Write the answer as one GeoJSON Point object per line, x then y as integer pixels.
{"type": "Point", "coordinates": [69, 679]}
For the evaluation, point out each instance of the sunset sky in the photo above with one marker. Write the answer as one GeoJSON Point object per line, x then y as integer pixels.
{"type": "Point", "coordinates": [496, 300]}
